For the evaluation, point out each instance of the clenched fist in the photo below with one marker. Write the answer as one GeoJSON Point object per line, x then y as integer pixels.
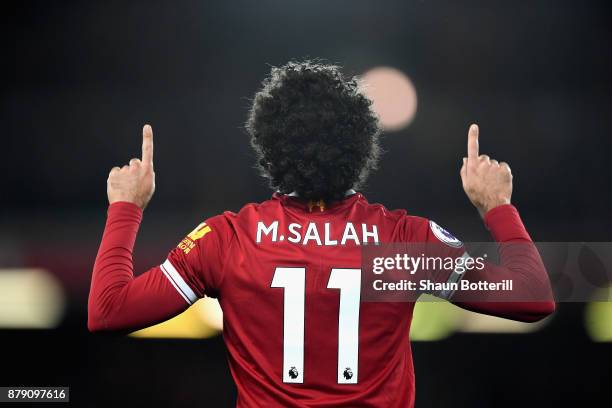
{"type": "Point", "coordinates": [135, 182]}
{"type": "Point", "coordinates": [486, 182]}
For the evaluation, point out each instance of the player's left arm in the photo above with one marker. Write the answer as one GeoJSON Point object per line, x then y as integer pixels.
{"type": "Point", "coordinates": [488, 185]}
{"type": "Point", "coordinates": [531, 297]}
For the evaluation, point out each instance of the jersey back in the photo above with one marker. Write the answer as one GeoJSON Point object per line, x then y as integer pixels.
{"type": "Point", "coordinates": [287, 276]}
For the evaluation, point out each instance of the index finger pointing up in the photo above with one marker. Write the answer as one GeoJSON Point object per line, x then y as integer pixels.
{"type": "Point", "coordinates": [472, 145]}
{"type": "Point", "coordinates": [147, 145]}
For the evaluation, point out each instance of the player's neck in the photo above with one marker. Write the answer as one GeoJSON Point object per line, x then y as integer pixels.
{"type": "Point", "coordinates": [349, 192]}
{"type": "Point", "coordinates": [320, 204]}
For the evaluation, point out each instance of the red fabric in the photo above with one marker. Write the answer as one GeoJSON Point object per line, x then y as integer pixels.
{"type": "Point", "coordinates": [228, 262]}
{"type": "Point", "coordinates": [520, 262]}
{"type": "Point", "coordinates": [117, 300]}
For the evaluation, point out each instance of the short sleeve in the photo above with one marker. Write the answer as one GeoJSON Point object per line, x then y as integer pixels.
{"type": "Point", "coordinates": [196, 266]}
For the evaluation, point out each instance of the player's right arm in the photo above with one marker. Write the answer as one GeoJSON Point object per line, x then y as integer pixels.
{"type": "Point", "coordinates": [117, 299]}
{"type": "Point", "coordinates": [120, 301]}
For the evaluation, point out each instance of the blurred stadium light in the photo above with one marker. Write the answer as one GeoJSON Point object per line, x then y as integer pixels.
{"type": "Point", "coordinates": [30, 299]}
{"type": "Point", "coordinates": [393, 94]}
{"type": "Point", "coordinates": [211, 313]}
{"type": "Point", "coordinates": [436, 320]}
{"type": "Point", "coordinates": [598, 319]}
{"type": "Point", "coordinates": [433, 320]}
{"type": "Point", "coordinates": [479, 323]}
{"type": "Point", "coordinates": [203, 319]}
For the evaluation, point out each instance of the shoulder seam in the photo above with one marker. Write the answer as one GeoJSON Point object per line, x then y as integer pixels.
{"type": "Point", "coordinates": [226, 255]}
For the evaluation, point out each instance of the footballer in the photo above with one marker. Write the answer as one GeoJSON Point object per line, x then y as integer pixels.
{"type": "Point", "coordinates": [286, 271]}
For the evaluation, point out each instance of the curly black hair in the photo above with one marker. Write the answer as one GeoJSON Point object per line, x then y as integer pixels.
{"type": "Point", "coordinates": [314, 132]}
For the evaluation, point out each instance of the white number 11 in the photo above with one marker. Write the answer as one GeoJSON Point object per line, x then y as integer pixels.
{"type": "Point", "coordinates": [293, 280]}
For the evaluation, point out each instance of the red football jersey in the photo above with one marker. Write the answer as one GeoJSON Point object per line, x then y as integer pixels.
{"type": "Point", "coordinates": [287, 276]}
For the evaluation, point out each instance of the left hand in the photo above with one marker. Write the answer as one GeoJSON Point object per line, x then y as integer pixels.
{"type": "Point", "coordinates": [486, 182]}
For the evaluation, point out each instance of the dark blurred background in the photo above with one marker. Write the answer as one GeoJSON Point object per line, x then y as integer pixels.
{"type": "Point", "coordinates": [81, 78]}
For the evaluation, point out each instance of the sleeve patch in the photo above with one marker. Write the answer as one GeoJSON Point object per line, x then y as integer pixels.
{"type": "Point", "coordinates": [444, 236]}
{"type": "Point", "coordinates": [188, 243]}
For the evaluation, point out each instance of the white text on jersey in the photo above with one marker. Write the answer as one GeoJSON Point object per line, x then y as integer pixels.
{"type": "Point", "coordinates": [309, 234]}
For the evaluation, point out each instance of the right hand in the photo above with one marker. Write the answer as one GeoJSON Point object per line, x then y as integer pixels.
{"type": "Point", "coordinates": [486, 182]}
{"type": "Point", "coordinates": [134, 183]}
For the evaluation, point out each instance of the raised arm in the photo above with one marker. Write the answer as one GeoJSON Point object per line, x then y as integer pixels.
{"type": "Point", "coordinates": [117, 300]}
{"type": "Point", "coordinates": [488, 185]}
